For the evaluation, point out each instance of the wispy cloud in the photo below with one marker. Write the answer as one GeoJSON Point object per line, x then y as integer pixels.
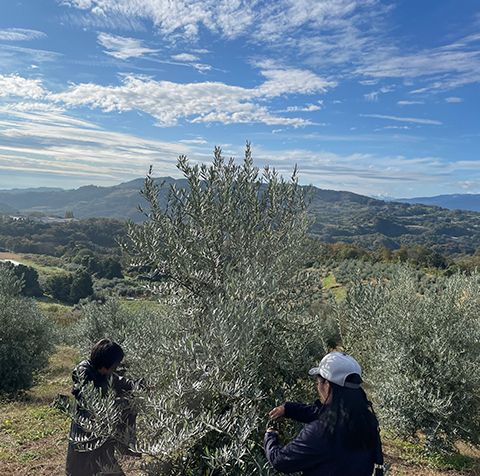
{"type": "Point", "coordinates": [308, 108]}
{"type": "Point", "coordinates": [31, 54]}
{"type": "Point", "coordinates": [193, 141]}
{"type": "Point", "coordinates": [123, 48]}
{"type": "Point", "coordinates": [408, 103]}
{"type": "Point", "coordinates": [369, 82]}
{"type": "Point", "coordinates": [373, 96]}
{"type": "Point", "coordinates": [56, 143]}
{"type": "Point", "coordinates": [453, 99]}
{"type": "Point", "coordinates": [21, 34]}
{"type": "Point", "coordinates": [445, 68]}
{"type": "Point", "coordinates": [404, 119]}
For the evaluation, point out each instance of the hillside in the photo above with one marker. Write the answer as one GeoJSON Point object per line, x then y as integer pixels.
{"type": "Point", "coordinates": [336, 216]}
{"type": "Point", "coordinates": [120, 201]}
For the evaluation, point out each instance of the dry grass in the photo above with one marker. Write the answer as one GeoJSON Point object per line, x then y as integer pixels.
{"type": "Point", "coordinates": [34, 435]}
{"type": "Point", "coordinates": [13, 256]}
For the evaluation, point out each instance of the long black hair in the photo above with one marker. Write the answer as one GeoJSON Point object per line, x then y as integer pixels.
{"type": "Point", "coordinates": [349, 416]}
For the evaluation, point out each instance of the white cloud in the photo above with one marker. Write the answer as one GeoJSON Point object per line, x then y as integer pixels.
{"type": "Point", "coordinates": [33, 55]}
{"type": "Point", "coordinates": [419, 91]}
{"type": "Point", "coordinates": [59, 144]}
{"type": "Point", "coordinates": [347, 33]}
{"type": "Point", "coordinates": [288, 81]}
{"type": "Point", "coordinates": [194, 141]}
{"type": "Point", "coordinates": [308, 108]}
{"type": "Point", "coordinates": [20, 34]}
{"type": "Point", "coordinates": [123, 48]}
{"type": "Point", "coordinates": [369, 82]}
{"type": "Point", "coordinates": [198, 102]}
{"type": "Point", "coordinates": [408, 103]}
{"type": "Point", "coordinates": [185, 57]}
{"type": "Point", "coordinates": [453, 99]}
{"type": "Point", "coordinates": [404, 119]}
{"type": "Point", "coordinates": [17, 86]}
{"type": "Point", "coordinates": [268, 22]}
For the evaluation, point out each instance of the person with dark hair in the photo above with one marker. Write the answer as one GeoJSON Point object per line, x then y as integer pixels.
{"type": "Point", "coordinates": [87, 455]}
{"type": "Point", "coordinates": [341, 437]}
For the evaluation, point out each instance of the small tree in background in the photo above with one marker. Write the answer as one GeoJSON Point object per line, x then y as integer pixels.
{"type": "Point", "coordinates": [225, 348]}
{"type": "Point", "coordinates": [27, 336]}
{"type": "Point", "coordinates": [82, 286]}
{"type": "Point", "coordinates": [421, 354]}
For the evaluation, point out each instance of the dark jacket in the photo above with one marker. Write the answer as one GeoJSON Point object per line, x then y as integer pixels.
{"type": "Point", "coordinates": [311, 451]}
{"type": "Point", "coordinates": [82, 459]}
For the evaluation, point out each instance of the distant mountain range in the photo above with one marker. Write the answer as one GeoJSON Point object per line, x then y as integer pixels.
{"type": "Point", "coordinates": [462, 201]}
{"type": "Point", "coordinates": [119, 201]}
{"type": "Point", "coordinates": [336, 216]}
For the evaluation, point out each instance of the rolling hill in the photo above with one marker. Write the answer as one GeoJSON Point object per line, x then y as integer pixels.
{"type": "Point", "coordinates": [336, 215]}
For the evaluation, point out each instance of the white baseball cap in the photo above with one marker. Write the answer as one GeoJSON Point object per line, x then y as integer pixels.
{"type": "Point", "coordinates": [336, 367]}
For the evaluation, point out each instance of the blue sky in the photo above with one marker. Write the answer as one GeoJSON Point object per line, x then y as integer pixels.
{"type": "Point", "coordinates": [371, 96]}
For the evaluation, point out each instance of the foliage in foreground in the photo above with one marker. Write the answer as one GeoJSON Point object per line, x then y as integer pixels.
{"type": "Point", "coordinates": [27, 336]}
{"type": "Point", "coordinates": [421, 354]}
{"type": "Point", "coordinates": [224, 349]}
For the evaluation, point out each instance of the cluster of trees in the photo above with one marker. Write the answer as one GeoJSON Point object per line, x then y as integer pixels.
{"type": "Point", "coordinates": [57, 239]}
{"type": "Point", "coordinates": [370, 223]}
{"type": "Point", "coordinates": [70, 288]}
{"type": "Point", "coordinates": [416, 256]}
{"type": "Point", "coordinates": [26, 276]}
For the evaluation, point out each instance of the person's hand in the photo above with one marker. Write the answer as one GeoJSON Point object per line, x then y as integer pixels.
{"type": "Point", "coordinates": [278, 414]}
{"type": "Point", "coordinates": [271, 430]}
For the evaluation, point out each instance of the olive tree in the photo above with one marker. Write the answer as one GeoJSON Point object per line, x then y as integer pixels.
{"type": "Point", "coordinates": [420, 353]}
{"type": "Point", "coordinates": [27, 336]}
{"type": "Point", "coordinates": [225, 347]}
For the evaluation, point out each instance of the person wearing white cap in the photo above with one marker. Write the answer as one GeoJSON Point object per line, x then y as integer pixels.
{"type": "Point", "coordinates": [341, 437]}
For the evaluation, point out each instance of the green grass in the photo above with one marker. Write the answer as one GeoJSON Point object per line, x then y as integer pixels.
{"type": "Point", "coordinates": [330, 284]}
{"type": "Point", "coordinates": [31, 429]}
{"type": "Point", "coordinates": [416, 454]}
{"type": "Point", "coordinates": [136, 306]}
{"type": "Point", "coordinates": [339, 293]}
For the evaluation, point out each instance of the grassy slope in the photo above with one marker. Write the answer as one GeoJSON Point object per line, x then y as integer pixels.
{"type": "Point", "coordinates": [41, 270]}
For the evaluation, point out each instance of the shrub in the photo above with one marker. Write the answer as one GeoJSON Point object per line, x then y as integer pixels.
{"type": "Point", "coordinates": [27, 336]}
{"type": "Point", "coordinates": [421, 354]}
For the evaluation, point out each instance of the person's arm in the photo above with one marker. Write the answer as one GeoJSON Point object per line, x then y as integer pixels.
{"type": "Point", "coordinates": [297, 411]}
{"type": "Point", "coordinates": [298, 455]}
{"type": "Point", "coordinates": [301, 412]}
